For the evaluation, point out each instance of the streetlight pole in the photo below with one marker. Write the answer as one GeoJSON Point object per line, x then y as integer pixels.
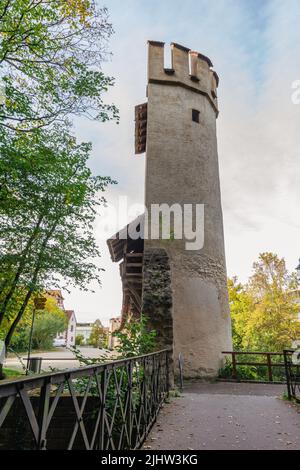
{"type": "Point", "coordinates": [298, 270]}
{"type": "Point", "coordinates": [38, 304]}
{"type": "Point", "coordinates": [30, 340]}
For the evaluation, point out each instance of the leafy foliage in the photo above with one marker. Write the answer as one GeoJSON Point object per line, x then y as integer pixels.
{"type": "Point", "coordinates": [243, 372]}
{"type": "Point", "coordinates": [241, 305]}
{"type": "Point", "coordinates": [265, 311]}
{"type": "Point", "coordinates": [46, 328]}
{"type": "Point", "coordinates": [98, 337]}
{"type": "Point", "coordinates": [79, 340]}
{"type": "Point", "coordinates": [135, 339]}
{"type": "Point", "coordinates": [251, 372]}
{"type": "Point", "coordinates": [48, 201]}
{"type": "Point", "coordinates": [50, 54]}
{"type": "Point", "coordinates": [48, 323]}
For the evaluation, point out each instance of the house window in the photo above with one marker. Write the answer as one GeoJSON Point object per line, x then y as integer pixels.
{"type": "Point", "coordinates": [195, 115]}
{"type": "Point", "coordinates": [72, 328]}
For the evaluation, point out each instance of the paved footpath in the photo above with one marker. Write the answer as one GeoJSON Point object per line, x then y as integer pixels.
{"type": "Point", "coordinates": [230, 416]}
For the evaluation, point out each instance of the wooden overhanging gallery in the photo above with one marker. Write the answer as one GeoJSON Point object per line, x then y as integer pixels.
{"type": "Point", "coordinates": [129, 251]}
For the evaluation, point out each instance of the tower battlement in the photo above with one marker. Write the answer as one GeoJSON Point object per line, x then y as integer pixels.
{"type": "Point", "coordinates": [189, 69]}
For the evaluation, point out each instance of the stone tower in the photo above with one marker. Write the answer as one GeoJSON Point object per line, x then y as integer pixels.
{"type": "Point", "coordinates": [182, 168]}
{"type": "Point", "coordinates": [182, 291]}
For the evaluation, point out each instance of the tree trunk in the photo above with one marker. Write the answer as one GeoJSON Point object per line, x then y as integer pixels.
{"type": "Point", "coordinates": [18, 318]}
{"type": "Point", "coordinates": [22, 264]}
{"type": "Point", "coordinates": [30, 291]}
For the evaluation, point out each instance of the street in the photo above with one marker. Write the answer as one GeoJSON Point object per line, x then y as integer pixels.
{"type": "Point", "coordinates": [60, 359]}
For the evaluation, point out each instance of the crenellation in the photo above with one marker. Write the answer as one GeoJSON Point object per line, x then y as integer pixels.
{"type": "Point", "coordinates": [216, 78]}
{"type": "Point", "coordinates": [205, 59]}
{"type": "Point", "coordinates": [180, 61]}
{"type": "Point", "coordinates": [156, 60]}
{"type": "Point", "coordinates": [180, 47]}
{"type": "Point", "coordinates": [194, 73]}
{"type": "Point", "coordinates": [189, 69]}
{"type": "Point", "coordinates": [156, 43]}
{"type": "Point", "coordinates": [214, 84]}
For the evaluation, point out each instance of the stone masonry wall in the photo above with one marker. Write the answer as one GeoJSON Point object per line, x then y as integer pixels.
{"type": "Point", "coordinates": [157, 295]}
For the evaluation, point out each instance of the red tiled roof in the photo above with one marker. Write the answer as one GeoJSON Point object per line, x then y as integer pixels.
{"type": "Point", "coordinates": [69, 313]}
{"type": "Point", "coordinates": [55, 293]}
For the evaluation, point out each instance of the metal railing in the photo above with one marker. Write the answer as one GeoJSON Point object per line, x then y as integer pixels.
{"type": "Point", "coordinates": [292, 370]}
{"type": "Point", "coordinates": [107, 406]}
{"type": "Point", "coordinates": [266, 370]}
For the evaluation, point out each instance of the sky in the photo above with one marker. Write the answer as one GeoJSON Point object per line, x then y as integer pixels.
{"type": "Point", "coordinates": [255, 48]}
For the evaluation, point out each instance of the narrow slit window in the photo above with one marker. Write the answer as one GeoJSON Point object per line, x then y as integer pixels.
{"type": "Point", "coordinates": [195, 115]}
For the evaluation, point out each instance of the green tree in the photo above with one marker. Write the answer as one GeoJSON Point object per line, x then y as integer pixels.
{"type": "Point", "coordinates": [46, 326]}
{"type": "Point", "coordinates": [264, 312]}
{"type": "Point", "coordinates": [135, 338]}
{"type": "Point", "coordinates": [47, 218]}
{"type": "Point", "coordinates": [48, 323]}
{"type": "Point", "coordinates": [98, 336]}
{"type": "Point", "coordinates": [20, 339]}
{"type": "Point", "coordinates": [273, 324]}
{"type": "Point", "coordinates": [50, 55]}
{"type": "Point", "coordinates": [79, 340]}
{"type": "Point", "coordinates": [241, 305]}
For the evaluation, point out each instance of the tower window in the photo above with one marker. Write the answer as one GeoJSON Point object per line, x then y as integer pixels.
{"type": "Point", "coordinates": [195, 115]}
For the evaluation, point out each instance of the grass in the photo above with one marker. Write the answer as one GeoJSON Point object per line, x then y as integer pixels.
{"type": "Point", "coordinates": [12, 373]}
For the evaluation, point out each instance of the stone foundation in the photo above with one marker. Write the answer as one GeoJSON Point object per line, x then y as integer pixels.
{"type": "Point", "coordinates": [157, 295]}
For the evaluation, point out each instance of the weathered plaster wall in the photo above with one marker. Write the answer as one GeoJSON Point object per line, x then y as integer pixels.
{"type": "Point", "coordinates": [182, 167]}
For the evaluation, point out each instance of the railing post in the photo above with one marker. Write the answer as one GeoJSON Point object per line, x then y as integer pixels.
{"type": "Point", "coordinates": [102, 416]}
{"type": "Point", "coordinates": [287, 374]}
{"type": "Point", "coordinates": [130, 403]}
{"type": "Point", "coordinates": [145, 400]}
{"type": "Point", "coordinates": [180, 364]}
{"type": "Point", "coordinates": [157, 366]}
{"type": "Point", "coordinates": [167, 373]}
{"type": "Point", "coordinates": [43, 414]}
{"type": "Point", "coordinates": [234, 371]}
{"type": "Point", "coordinates": [269, 362]}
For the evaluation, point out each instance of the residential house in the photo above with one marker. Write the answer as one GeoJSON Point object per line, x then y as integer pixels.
{"type": "Point", "coordinates": [57, 296]}
{"type": "Point", "coordinates": [69, 334]}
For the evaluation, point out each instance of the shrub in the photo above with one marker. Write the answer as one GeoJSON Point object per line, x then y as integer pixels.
{"type": "Point", "coordinates": [79, 340]}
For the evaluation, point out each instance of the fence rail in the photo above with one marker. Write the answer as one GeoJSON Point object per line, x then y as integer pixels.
{"type": "Point", "coordinates": [292, 370]}
{"type": "Point", "coordinates": [269, 364]}
{"type": "Point", "coordinates": [107, 406]}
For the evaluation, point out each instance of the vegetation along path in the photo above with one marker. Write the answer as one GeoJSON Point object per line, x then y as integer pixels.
{"type": "Point", "coordinates": [227, 416]}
